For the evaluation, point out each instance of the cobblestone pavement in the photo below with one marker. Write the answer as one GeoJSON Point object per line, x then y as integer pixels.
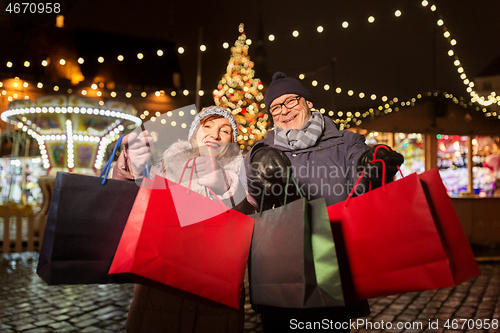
{"type": "Point", "coordinates": [27, 304]}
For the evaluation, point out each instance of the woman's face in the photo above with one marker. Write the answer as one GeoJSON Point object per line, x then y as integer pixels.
{"type": "Point", "coordinates": [214, 137]}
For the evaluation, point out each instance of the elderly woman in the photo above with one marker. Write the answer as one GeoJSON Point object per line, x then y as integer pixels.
{"type": "Point", "coordinates": [211, 140]}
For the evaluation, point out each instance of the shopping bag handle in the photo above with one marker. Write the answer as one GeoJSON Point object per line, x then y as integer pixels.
{"type": "Point", "coordinates": [209, 189]}
{"type": "Point", "coordinates": [362, 173]}
{"type": "Point", "coordinates": [107, 167]}
{"type": "Point", "coordinates": [288, 177]}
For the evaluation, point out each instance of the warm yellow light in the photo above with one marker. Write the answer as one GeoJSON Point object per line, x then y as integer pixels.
{"type": "Point", "coordinates": [173, 123]}
{"type": "Point", "coordinates": [26, 64]}
{"type": "Point", "coordinates": [144, 94]}
{"type": "Point", "coordinates": [326, 87]}
{"type": "Point", "coordinates": [94, 86]}
{"type": "Point", "coordinates": [397, 13]}
{"type": "Point", "coordinates": [384, 98]}
{"type": "Point", "coordinates": [338, 90]}
{"type": "Point", "coordinates": [56, 88]}
{"type": "Point", "coordinates": [371, 19]}
{"type": "Point", "coordinates": [301, 76]}
{"type": "Point", "coordinates": [314, 83]}
{"type": "Point", "coordinates": [185, 92]}
{"type": "Point", "coordinates": [271, 38]}
{"type": "Point", "coordinates": [424, 3]}
{"type": "Point", "coordinates": [81, 61]}
{"type": "Point", "coordinates": [456, 62]}
{"type": "Point", "coordinates": [45, 63]}
{"type": "Point", "coordinates": [100, 59]}
{"type": "Point", "coordinates": [159, 53]}
{"type": "Point", "coordinates": [249, 41]}
{"type": "Point", "coordinates": [460, 69]}
{"type": "Point", "coordinates": [440, 22]}
{"type": "Point", "coordinates": [451, 53]}
{"type": "Point", "coordinates": [120, 58]}
{"type": "Point", "coordinates": [320, 29]}
{"type": "Point", "coordinates": [345, 24]}
{"type": "Point", "coordinates": [446, 34]}
{"type": "Point", "coordinates": [225, 45]}
{"type": "Point", "coordinates": [203, 48]}
{"type": "Point", "coordinates": [146, 112]}
{"type": "Point", "coordinates": [361, 95]}
{"type": "Point", "coordinates": [84, 92]}
{"type": "Point", "coordinates": [128, 94]}
{"type": "Point", "coordinates": [373, 97]}
{"type": "Point", "coordinates": [433, 8]}
{"type": "Point", "coordinates": [9, 64]}
{"type": "Point", "coordinates": [201, 93]}
{"type": "Point", "coordinates": [350, 93]}
{"type": "Point", "coordinates": [140, 56]}
{"type": "Point", "coordinates": [295, 33]}
{"type": "Point", "coordinates": [173, 93]}
{"type": "Point", "coordinates": [99, 93]}
{"type": "Point", "coordinates": [180, 50]}
{"type": "Point", "coordinates": [113, 94]}
{"type": "Point", "coordinates": [453, 42]}
{"type": "Point", "coordinates": [62, 62]}
{"type": "Point", "coordinates": [39, 85]}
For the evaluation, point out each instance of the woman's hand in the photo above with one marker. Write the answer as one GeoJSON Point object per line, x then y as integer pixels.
{"type": "Point", "coordinates": [210, 174]}
{"type": "Point", "coordinates": [138, 147]}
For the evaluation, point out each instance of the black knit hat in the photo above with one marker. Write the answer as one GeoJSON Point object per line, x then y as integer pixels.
{"type": "Point", "coordinates": [282, 85]}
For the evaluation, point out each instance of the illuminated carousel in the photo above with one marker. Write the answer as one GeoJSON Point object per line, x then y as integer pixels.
{"type": "Point", "coordinates": [72, 131]}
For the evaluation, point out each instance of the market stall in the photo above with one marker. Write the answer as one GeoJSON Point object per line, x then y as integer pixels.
{"type": "Point", "coordinates": [439, 130]}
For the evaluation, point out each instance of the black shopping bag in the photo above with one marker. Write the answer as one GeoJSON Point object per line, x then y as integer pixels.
{"type": "Point", "coordinates": [85, 222]}
{"type": "Point", "coordinates": [293, 262]}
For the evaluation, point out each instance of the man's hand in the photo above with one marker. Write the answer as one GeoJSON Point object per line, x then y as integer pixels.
{"type": "Point", "coordinates": [374, 171]}
{"type": "Point", "coordinates": [269, 167]}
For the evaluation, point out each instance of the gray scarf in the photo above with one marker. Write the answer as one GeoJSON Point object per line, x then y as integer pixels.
{"type": "Point", "coordinates": [306, 137]}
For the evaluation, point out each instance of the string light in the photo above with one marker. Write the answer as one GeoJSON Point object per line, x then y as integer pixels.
{"type": "Point", "coordinates": [295, 33]}
{"type": "Point", "coordinates": [271, 38]}
{"type": "Point", "coordinates": [320, 29]}
{"type": "Point", "coordinates": [180, 50]}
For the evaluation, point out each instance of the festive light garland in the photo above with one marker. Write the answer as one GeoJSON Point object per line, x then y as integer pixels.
{"type": "Point", "coordinates": [475, 98]}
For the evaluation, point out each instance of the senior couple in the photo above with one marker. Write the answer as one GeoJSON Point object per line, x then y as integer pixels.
{"type": "Point", "coordinates": [301, 139]}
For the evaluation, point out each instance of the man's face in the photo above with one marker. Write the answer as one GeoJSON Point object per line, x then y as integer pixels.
{"type": "Point", "coordinates": [295, 117]}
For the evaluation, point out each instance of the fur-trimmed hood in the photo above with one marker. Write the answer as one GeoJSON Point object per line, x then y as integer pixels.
{"type": "Point", "coordinates": [175, 157]}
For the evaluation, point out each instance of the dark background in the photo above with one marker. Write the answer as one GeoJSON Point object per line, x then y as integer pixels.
{"type": "Point", "coordinates": [396, 57]}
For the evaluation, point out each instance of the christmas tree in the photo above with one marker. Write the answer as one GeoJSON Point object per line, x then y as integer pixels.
{"type": "Point", "coordinates": [240, 92]}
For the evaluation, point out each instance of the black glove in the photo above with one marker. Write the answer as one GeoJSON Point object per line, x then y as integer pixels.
{"type": "Point", "coordinates": [269, 172]}
{"type": "Point", "coordinates": [373, 171]}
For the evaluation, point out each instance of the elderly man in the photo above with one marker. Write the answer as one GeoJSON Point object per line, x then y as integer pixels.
{"type": "Point", "coordinates": [325, 162]}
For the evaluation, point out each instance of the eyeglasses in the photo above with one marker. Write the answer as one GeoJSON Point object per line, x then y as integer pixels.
{"type": "Point", "coordinates": [289, 104]}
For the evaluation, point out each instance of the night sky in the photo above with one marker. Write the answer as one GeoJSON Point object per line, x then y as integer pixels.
{"type": "Point", "coordinates": [393, 56]}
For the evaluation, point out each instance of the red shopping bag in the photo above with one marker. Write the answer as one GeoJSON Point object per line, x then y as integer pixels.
{"type": "Point", "coordinates": [401, 238]}
{"type": "Point", "coordinates": [206, 259]}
